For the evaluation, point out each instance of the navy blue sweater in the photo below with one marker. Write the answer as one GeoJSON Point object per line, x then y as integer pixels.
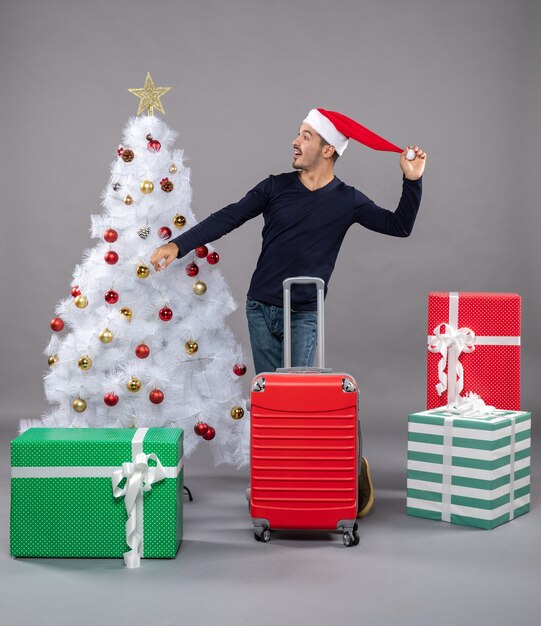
{"type": "Point", "coordinates": [303, 230]}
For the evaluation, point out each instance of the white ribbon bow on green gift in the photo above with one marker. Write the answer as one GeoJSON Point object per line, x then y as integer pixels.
{"type": "Point", "coordinates": [140, 477]}
{"type": "Point", "coordinates": [451, 341]}
{"type": "Point", "coordinates": [470, 405]}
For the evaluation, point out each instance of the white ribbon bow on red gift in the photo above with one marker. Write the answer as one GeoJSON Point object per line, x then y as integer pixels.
{"type": "Point", "coordinates": [450, 341]}
{"type": "Point", "coordinates": [139, 478]}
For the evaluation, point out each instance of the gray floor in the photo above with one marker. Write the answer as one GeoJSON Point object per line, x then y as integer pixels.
{"type": "Point", "coordinates": [405, 570]}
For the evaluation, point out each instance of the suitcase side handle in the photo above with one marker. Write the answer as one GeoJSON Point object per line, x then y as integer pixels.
{"type": "Point", "coordinates": [320, 285]}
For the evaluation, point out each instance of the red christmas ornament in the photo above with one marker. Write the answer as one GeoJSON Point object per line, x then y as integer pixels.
{"type": "Point", "coordinates": [154, 145]}
{"type": "Point", "coordinates": [110, 399]}
{"type": "Point", "coordinates": [120, 151]}
{"type": "Point", "coordinates": [111, 296]}
{"type": "Point", "coordinates": [110, 235]}
{"type": "Point", "coordinates": [210, 434]}
{"type": "Point", "coordinates": [239, 369]}
{"type": "Point", "coordinates": [201, 252]}
{"type": "Point", "coordinates": [164, 232]}
{"type": "Point", "coordinates": [200, 428]}
{"type": "Point", "coordinates": [75, 291]}
{"type": "Point", "coordinates": [142, 351]}
{"type": "Point", "coordinates": [111, 257]}
{"type": "Point", "coordinates": [156, 396]}
{"type": "Point", "coordinates": [213, 258]}
{"type": "Point", "coordinates": [192, 269]}
{"type": "Point", "coordinates": [57, 324]}
{"type": "Point", "coordinates": [165, 314]}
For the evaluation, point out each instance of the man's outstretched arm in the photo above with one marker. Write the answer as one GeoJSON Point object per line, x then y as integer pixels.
{"type": "Point", "coordinates": [216, 225]}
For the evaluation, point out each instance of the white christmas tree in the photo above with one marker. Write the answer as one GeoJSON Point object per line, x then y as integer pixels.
{"type": "Point", "coordinates": [137, 348]}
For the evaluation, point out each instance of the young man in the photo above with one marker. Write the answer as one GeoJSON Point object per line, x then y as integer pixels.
{"type": "Point", "coordinates": [306, 214]}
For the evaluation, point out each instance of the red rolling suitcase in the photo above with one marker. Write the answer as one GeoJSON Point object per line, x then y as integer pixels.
{"type": "Point", "coordinates": [305, 442]}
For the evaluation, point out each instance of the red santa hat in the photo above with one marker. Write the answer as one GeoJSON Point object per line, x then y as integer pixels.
{"type": "Point", "coordinates": [337, 129]}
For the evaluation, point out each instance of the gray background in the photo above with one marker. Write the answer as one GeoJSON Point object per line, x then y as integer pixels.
{"type": "Point", "coordinates": [462, 80]}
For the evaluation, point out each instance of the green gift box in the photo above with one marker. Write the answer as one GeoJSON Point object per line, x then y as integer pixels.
{"type": "Point", "coordinates": [93, 492]}
{"type": "Point", "coordinates": [473, 471]}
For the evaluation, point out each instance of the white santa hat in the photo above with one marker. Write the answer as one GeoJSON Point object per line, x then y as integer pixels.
{"type": "Point", "coordinates": [337, 129]}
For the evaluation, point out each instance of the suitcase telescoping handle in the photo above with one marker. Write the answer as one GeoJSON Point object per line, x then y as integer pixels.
{"type": "Point", "coordinates": [320, 285]}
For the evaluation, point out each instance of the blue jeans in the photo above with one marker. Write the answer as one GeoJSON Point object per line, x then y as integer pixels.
{"type": "Point", "coordinates": [266, 327]}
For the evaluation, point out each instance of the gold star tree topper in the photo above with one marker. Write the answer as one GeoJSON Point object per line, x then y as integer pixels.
{"type": "Point", "coordinates": [149, 96]}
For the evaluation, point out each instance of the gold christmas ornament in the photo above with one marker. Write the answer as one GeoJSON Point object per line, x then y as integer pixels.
{"type": "Point", "coordinates": [85, 362]}
{"type": "Point", "coordinates": [79, 405]}
{"type": "Point", "coordinates": [128, 200]}
{"type": "Point", "coordinates": [199, 288]}
{"type": "Point", "coordinates": [172, 168]}
{"type": "Point", "coordinates": [142, 271]}
{"type": "Point", "coordinates": [237, 412]}
{"type": "Point", "coordinates": [147, 186]}
{"type": "Point", "coordinates": [134, 384]}
{"type": "Point", "coordinates": [52, 360]}
{"type": "Point", "coordinates": [106, 336]}
{"type": "Point", "coordinates": [191, 347]}
{"type": "Point", "coordinates": [127, 313]}
{"type": "Point", "coordinates": [81, 301]}
{"type": "Point", "coordinates": [179, 221]}
{"type": "Point", "coordinates": [149, 96]}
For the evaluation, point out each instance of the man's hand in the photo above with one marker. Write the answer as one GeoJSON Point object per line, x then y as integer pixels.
{"type": "Point", "coordinates": [413, 169]}
{"type": "Point", "coordinates": [167, 253]}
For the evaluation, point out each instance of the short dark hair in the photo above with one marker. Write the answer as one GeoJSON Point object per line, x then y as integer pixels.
{"type": "Point", "coordinates": [326, 143]}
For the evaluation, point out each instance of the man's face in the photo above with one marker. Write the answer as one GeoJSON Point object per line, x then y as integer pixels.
{"type": "Point", "coordinates": [307, 148]}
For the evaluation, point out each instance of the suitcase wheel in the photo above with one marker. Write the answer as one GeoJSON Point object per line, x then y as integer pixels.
{"type": "Point", "coordinates": [264, 536]}
{"type": "Point", "coordinates": [351, 538]}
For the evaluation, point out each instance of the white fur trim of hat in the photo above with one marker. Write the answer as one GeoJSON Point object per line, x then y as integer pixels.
{"type": "Point", "coordinates": [324, 127]}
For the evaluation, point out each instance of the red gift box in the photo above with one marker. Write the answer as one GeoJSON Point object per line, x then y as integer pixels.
{"type": "Point", "coordinates": [474, 345]}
